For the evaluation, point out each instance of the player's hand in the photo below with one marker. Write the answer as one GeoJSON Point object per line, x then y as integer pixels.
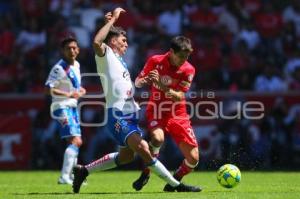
{"type": "Point", "coordinates": [116, 13]}
{"type": "Point", "coordinates": [107, 17]}
{"type": "Point", "coordinates": [75, 95]}
{"type": "Point", "coordinates": [154, 76]}
{"type": "Point", "coordinates": [82, 91]}
{"type": "Point", "coordinates": [147, 80]}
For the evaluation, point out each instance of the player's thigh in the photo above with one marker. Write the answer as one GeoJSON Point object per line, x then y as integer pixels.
{"type": "Point", "coordinates": [183, 134]}
{"type": "Point", "coordinates": [155, 126]}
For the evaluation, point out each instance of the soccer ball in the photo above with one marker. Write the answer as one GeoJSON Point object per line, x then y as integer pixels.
{"type": "Point", "coordinates": [229, 176]}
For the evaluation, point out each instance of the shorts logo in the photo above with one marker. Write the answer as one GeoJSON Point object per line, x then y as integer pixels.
{"type": "Point", "coordinates": [117, 127]}
{"type": "Point", "coordinates": [153, 123]}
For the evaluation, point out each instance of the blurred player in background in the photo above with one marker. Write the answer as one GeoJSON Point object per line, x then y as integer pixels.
{"type": "Point", "coordinates": [110, 44]}
{"type": "Point", "coordinates": [64, 82]}
{"type": "Point", "coordinates": [170, 75]}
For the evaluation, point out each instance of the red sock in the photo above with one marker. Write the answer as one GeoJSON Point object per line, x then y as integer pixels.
{"type": "Point", "coordinates": [182, 171]}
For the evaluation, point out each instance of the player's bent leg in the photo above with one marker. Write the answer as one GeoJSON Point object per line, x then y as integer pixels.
{"type": "Point", "coordinates": [141, 147]}
{"type": "Point", "coordinates": [157, 139]}
{"type": "Point", "coordinates": [191, 155]}
{"type": "Point", "coordinates": [159, 169]}
{"type": "Point", "coordinates": [190, 162]}
{"type": "Point", "coordinates": [108, 161]}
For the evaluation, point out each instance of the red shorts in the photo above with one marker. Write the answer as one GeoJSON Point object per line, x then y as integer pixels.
{"type": "Point", "coordinates": [179, 129]}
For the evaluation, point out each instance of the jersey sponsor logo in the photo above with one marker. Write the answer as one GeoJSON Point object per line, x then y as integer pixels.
{"type": "Point", "coordinates": [153, 123]}
{"type": "Point", "coordinates": [166, 80]}
{"type": "Point", "coordinates": [117, 126]}
{"type": "Point", "coordinates": [126, 75]}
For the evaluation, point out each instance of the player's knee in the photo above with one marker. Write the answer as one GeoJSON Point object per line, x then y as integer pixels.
{"type": "Point", "coordinates": [77, 141]}
{"type": "Point", "coordinates": [194, 161]}
{"type": "Point", "coordinates": [193, 158]}
{"type": "Point", "coordinates": [157, 140]}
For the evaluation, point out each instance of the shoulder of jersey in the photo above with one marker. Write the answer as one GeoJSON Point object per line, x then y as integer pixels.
{"type": "Point", "coordinates": [157, 58]}
{"type": "Point", "coordinates": [77, 63]}
{"type": "Point", "coordinates": [188, 67]}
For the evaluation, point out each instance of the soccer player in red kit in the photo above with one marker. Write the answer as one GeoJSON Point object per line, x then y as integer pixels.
{"type": "Point", "coordinates": [169, 75]}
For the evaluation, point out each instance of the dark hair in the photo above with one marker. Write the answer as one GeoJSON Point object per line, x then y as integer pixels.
{"type": "Point", "coordinates": [114, 31]}
{"type": "Point", "coordinates": [181, 43]}
{"type": "Point", "coordinates": [67, 40]}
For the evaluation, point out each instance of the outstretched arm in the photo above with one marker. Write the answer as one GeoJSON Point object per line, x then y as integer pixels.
{"type": "Point", "coordinates": [110, 19]}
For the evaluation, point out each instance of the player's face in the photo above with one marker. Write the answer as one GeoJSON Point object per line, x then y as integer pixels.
{"type": "Point", "coordinates": [177, 59]}
{"type": "Point", "coordinates": [71, 51]}
{"type": "Point", "coordinates": [120, 44]}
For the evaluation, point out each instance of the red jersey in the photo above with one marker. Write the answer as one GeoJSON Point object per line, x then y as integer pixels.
{"type": "Point", "coordinates": [176, 78]}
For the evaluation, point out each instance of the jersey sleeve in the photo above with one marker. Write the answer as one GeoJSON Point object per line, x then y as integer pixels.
{"type": "Point", "coordinates": [186, 80]}
{"type": "Point", "coordinates": [55, 75]}
{"type": "Point", "coordinates": [147, 68]}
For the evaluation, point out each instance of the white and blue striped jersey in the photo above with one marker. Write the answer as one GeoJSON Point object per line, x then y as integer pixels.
{"type": "Point", "coordinates": [116, 82]}
{"type": "Point", "coordinates": [67, 78]}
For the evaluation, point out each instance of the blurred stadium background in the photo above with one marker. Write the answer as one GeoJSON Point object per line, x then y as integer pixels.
{"type": "Point", "coordinates": [243, 50]}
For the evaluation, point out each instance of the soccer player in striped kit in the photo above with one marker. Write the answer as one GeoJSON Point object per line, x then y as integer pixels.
{"type": "Point", "coordinates": [64, 83]}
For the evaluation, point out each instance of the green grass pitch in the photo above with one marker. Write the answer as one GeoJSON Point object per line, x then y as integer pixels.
{"type": "Point", "coordinates": [117, 184]}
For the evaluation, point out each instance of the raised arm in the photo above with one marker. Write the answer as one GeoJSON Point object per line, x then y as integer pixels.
{"type": "Point", "coordinates": [110, 19]}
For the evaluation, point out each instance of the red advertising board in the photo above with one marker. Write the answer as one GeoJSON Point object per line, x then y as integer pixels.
{"type": "Point", "coordinates": [15, 142]}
